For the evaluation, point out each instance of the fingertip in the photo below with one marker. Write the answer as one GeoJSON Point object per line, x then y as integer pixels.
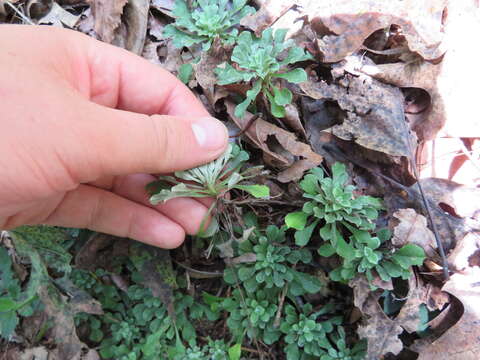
{"type": "Point", "coordinates": [211, 134]}
{"type": "Point", "coordinates": [165, 238]}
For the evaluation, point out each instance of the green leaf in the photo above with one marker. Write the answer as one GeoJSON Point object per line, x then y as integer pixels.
{"type": "Point", "coordinates": [251, 96]}
{"type": "Point", "coordinates": [392, 269]}
{"type": "Point", "coordinates": [344, 249]}
{"type": "Point", "coordinates": [7, 304]}
{"type": "Point", "coordinates": [296, 54]}
{"type": "Point", "coordinates": [409, 255]}
{"type": "Point", "coordinates": [245, 273]}
{"type": "Point", "coordinates": [295, 76]}
{"type": "Point", "coordinates": [326, 250]}
{"type": "Point", "coordinates": [258, 191]}
{"type": "Point", "coordinates": [185, 72]}
{"type": "Point", "coordinates": [235, 352]}
{"type": "Point", "coordinates": [302, 237]}
{"type": "Point", "coordinates": [8, 323]}
{"type": "Point", "coordinates": [296, 220]}
{"type": "Point", "coordinates": [282, 97]}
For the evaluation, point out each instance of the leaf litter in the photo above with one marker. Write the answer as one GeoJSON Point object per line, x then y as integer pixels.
{"type": "Point", "coordinates": [377, 84]}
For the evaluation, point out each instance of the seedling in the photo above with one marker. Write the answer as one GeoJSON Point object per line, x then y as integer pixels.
{"type": "Point", "coordinates": [214, 180]}
{"type": "Point", "coordinates": [253, 315]}
{"type": "Point", "coordinates": [305, 334]}
{"type": "Point", "coordinates": [272, 269]}
{"type": "Point", "coordinates": [260, 60]}
{"type": "Point", "coordinates": [206, 21]}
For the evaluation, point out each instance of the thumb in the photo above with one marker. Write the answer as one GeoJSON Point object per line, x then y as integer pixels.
{"type": "Point", "coordinates": [121, 142]}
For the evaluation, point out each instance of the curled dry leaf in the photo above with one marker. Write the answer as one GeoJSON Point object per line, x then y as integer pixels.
{"type": "Point", "coordinates": [259, 133]}
{"type": "Point", "coordinates": [374, 116]}
{"type": "Point", "coordinates": [107, 15]}
{"type": "Point", "coordinates": [58, 16]}
{"type": "Point", "coordinates": [411, 227]}
{"type": "Point", "coordinates": [380, 331]}
{"type": "Point", "coordinates": [464, 200]}
{"type": "Point", "coordinates": [342, 26]}
{"type": "Point", "coordinates": [164, 6]}
{"type": "Point", "coordinates": [269, 12]}
{"type": "Point", "coordinates": [205, 75]}
{"type": "Point", "coordinates": [461, 341]}
{"type": "Point", "coordinates": [133, 30]}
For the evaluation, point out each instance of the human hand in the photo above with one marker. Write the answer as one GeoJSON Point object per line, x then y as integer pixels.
{"type": "Point", "coordinates": [79, 137]}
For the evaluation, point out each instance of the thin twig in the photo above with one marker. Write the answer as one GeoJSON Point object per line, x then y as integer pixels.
{"type": "Point", "coordinates": [278, 315]}
{"type": "Point", "coordinates": [19, 13]}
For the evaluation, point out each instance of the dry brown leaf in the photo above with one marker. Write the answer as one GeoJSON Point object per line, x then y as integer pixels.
{"type": "Point", "coordinates": [58, 16]}
{"type": "Point", "coordinates": [409, 316]}
{"type": "Point", "coordinates": [107, 15]}
{"type": "Point", "coordinates": [269, 12]}
{"type": "Point", "coordinates": [345, 25]}
{"type": "Point", "coordinates": [132, 31]}
{"type": "Point", "coordinates": [259, 132]}
{"type": "Point", "coordinates": [464, 200]}
{"type": "Point", "coordinates": [205, 75]}
{"type": "Point", "coordinates": [380, 331]}
{"type": "Point", "coordinates": [374, 116]}
{"type": "Point", "coordinates": [461, 341]}
{"type": "Point", "coordinates": [165, 6]}
{"type": "Point", "coordinates": [411, 227]}
{"type": "Point", "coordinates": [292, 120]}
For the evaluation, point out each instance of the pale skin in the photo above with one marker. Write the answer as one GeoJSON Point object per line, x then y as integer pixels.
{"type": "Point", "coordinates": [83, 125]}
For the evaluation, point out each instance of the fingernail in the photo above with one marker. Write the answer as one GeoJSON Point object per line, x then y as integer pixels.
{"type": "Point", "coordinates": [210, 133]}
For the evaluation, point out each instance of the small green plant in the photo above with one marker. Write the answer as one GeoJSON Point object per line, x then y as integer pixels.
{"type": "Point", "coordinates": [214, 179]}
{"type": "Point", "coordinates": [206, 21]}
{"type": "Point", "coordinates": [136, 324]}
{"type": "Point", "coordinates": [303, 333]}
{"type": "Point", "coordinates": [272, 269]}
{"type": "Point", "coordinates": [259, 60]}
{"type": "Point", "coordinates": [13, 301]}
{"type": "Point", "coordinates": [253, 315]}
{"type": "Point", "coordinates": [213, 350]}
{"type": "Point", "coordinates": [333, 203]}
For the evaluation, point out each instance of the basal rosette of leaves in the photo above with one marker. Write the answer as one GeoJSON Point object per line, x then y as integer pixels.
{"type": "Point", "coordinates": [262, 61]}
{"type": "Point", "coordinates": [309, 337]}
{"type": "Point", "coordinates": [252, 315]}
{"type": "Point", "coordinates": [136, 325]}
{"type": "Point", "coordinates": [273, 266]}
{"type": "Point", "coordinates": [214, 180]}
{"type": "Point", "coordinates": [206, 21]}
{"type": "Point", "coordinates": [343, 215]}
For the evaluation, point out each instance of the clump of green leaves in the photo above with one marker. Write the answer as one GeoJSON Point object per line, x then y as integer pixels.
{"type": "Point", "coordinates": [304, 334]}
{"type": "Point", "coordinates": [273, 266]}
{"type": "Point", "coordinates": [262, 60]}
{"type": "Point", "coordinates": [136, 325]}
{"type": "Point", "coordinates": [14, 302]}
{"type": "Point", "coordinates": [253, 314]}
{"type": "Point", "coordinates": [214, 179]}
{"type": "Point", "coordinates": [206, 21]}
{"type": "Point", "coordinates": [342, 214]}
{"type": "Point", "coordinates": [210, 180]}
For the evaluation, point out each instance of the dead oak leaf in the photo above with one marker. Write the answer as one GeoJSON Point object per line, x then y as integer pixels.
{"type": "Point", "coordinates": [462, 340]}
{"type": "Point", "coordinates": [411, 227]}
{"type": "Point", "coordinates": [373, 113]}
{"type": "Point", "coordinates": [269, 12]}
{"type": "Point", "coordinates": [343, 25]}
{"type": "Point", "coordinates": [107, 15]}
{"type": "Point", "coordinates": [259, 134]}
{"type": "Point", "coordinates": [380, 331]}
